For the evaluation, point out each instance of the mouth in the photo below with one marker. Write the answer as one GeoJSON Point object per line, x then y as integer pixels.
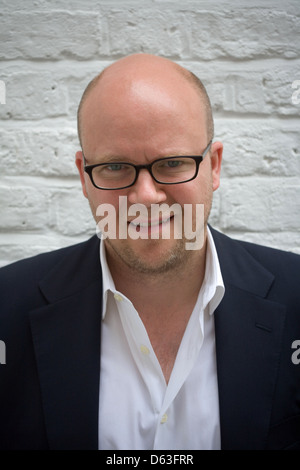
{"type": "Point", "coordinates": [150, 225]}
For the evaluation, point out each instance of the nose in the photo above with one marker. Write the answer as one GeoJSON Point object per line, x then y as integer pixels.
{"type": "Point", "coordinates": [146, 191]}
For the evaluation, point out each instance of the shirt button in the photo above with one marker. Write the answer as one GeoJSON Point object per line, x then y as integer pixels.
{"type": "Point", "coordinates": [118, 297]}
{"type": "Point", "coordinates": [144, 350]}
{"type": "Point", "coordinates": [164, 418]}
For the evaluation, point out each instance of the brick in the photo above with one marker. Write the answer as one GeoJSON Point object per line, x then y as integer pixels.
{"type": "Point", "coordinates": [260, 204]}
{"type": "Point", "coordinates": [262, 92]}
{"type": "Point", "coordinates": [243, 32]}
{"type": "Point", "coordinates": [203, 34]}
{"type": "Point", "coordinates": [46, 91]}
{"type": "Point", "coordinates": [266, 90]}
{"type": "Point", "coordinates": [151, 30]}
{"type": "Point", "coordinates": [38, 151]}
{"type": "Point", "coordinates": [278, 90]}
{"type": "Point", "coordinates": [49, 208]}
{"type": "Point", "coordinates": [23, 208]}
{"type": "Point", "coordinates": [33, 95]}
{"type": "Point", "coordinates": [70, 213]}
{"type": "Point", "coordinates": [259, 147]}
{"type": "Point", "coordinates": [49, 35]}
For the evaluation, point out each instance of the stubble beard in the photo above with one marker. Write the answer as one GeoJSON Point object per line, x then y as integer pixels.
{"type": "Point", "coordinates": [170, 260]}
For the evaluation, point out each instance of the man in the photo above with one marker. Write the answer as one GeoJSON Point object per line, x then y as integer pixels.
{"type": "Point", "coordinates": [137, 342]}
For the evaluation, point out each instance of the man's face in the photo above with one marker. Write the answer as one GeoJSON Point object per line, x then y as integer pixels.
{"type": "Point", "coordinates": [139, 121]}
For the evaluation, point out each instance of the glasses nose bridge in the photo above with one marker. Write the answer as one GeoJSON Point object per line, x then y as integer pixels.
{"type": "Point", "coordinates": [147, 167]}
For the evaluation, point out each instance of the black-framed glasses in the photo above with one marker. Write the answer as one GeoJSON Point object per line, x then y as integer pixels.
{"type": "Point", "coordinates": [167, 170]}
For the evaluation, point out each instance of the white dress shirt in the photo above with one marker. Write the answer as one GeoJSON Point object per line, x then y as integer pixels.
{"type": "Point", "coordinates": [137, 409]}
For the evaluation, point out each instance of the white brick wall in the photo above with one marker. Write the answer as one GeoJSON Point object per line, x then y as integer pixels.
{"type": "Point", "coordinates": [247, 54]}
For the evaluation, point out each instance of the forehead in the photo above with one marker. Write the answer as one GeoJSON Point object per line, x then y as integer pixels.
{"type": "Point", "coordinates": [141, 104]}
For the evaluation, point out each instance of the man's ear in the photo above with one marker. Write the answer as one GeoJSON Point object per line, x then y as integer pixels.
{"type": "Point", "coordinates": [80, 164]}
{"type": "Point", "coordinates": [216, 160]}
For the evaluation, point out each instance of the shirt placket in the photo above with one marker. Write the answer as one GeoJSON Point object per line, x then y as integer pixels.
{"type": "Point", "coordinates": [142, 352]}
{"type": "Point", "coordinates": [185, 361]}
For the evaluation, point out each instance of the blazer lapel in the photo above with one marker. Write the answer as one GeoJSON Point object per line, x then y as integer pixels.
{"type": "Point", "coordinates": [66, 336]}
{"type": "Point", "coordinates": [249, 329]}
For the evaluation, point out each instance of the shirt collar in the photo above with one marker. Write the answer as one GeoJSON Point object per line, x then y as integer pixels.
{"type": "Point", "coordinates": [213, 285]}
{"type": "Point", "coordinates": [212, 289]}
{"type": "Point", "coordinates": [107, 280]}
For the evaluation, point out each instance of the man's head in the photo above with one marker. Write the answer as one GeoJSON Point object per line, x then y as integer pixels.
{"type": "Point", "coordinates": [139, 109]}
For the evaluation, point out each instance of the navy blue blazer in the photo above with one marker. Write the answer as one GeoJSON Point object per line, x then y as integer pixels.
{"type": "Point", "coordinates": [50, 321]}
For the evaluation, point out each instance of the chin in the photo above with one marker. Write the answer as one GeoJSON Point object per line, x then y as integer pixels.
{"type": "Point", "coordinates": [153, 257]}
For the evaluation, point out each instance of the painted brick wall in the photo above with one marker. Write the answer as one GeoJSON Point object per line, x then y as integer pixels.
{"type": "Point", "coordinates": [246, 53]}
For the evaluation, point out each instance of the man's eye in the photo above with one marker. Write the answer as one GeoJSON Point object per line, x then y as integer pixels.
{"type": "Point", "coordinates": [166, 164]}
{"type": "Point", "coordinates": [115, 167]}
{"type": "Point", "coordinates": [173, 163]}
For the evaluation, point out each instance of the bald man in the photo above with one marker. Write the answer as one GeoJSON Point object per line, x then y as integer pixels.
{"type": "Point", "coordinates": [159, 333]}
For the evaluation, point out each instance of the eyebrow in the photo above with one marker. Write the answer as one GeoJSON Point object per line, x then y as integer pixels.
{"type": "Point", "coordinates": [106, 159]}
{"type": "Point", "coordinates": [113, 158]}
{"type": "Point", "coordinates": [116, 158]}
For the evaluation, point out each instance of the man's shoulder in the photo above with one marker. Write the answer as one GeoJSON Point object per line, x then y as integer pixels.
{"type": "Point", "coordinates": [268, 252]}
{"type": "Point", "coordinates": [233, 251]}
{"type": "Point", "coordinates": [37, 265]}
{"type": "Point", "coordinates": [259, 269]}
{"type": "Point", "coordinates": [48, 277]}
{"type": "Point", "coordinates": [255, 249]}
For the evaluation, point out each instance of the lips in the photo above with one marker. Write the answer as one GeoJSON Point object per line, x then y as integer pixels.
{"type": "Point", "coordinates": [149, 224]}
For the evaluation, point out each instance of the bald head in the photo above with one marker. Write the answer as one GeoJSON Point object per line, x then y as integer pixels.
{"type": "Point", "coordinates": [148, 70]}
